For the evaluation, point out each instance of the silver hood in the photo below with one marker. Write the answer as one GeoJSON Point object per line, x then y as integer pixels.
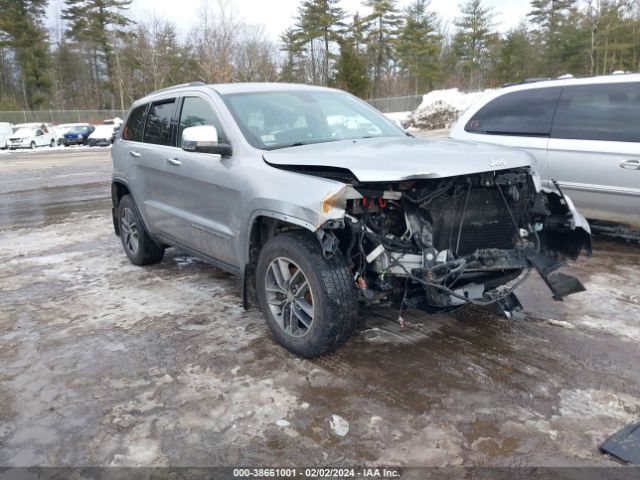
{"type": "Point", "coordinates": [396, 159]}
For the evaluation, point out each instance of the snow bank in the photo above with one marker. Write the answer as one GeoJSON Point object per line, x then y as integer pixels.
{"type": "Point", "coordinates": [58, 148]}
{"type": "Point", "coordinates": [440, 109]}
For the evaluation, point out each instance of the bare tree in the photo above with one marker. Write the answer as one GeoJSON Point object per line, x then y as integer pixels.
{"type": "Point", "coordinates": [214, 40]}
{"type": "Point", "coordinates": [255, 56]}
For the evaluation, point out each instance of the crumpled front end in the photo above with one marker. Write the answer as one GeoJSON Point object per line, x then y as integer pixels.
{"type": "Point", "coordinates": [470, 239]}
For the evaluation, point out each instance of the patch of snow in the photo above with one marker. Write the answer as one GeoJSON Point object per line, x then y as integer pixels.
{"type": "Point", "coordinates": [561, 323]}
{"type": "Point", "coordinates": [440, 109]}
{"type": "Point", "coordinates": [339, 425]}
{"type": "Point", "coordinates": [398, 117]}
{"type": "Point", "coordinates": [597, 403]}
{"type": "Point", "coordinates": [60, 148]}
{"type": "Point", "coordinates": [281, 422]}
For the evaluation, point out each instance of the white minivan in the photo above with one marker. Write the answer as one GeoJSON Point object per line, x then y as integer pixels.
{"type": "Point", "coordinates": [584, 133]}
{"type": "Point", "coordinates": [5, 133]}
{"type": "Point", "coordinates": [31, 138]}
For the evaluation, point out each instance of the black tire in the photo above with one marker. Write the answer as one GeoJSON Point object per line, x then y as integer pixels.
{"type": "Point", "coordinates": [32, 145]}
{"type": "Point", "coordinates": [332, 288]}
{"type": "Point", "coordinates": [52, 144]}
{"type": "Point", "coordinates": [146, 251]}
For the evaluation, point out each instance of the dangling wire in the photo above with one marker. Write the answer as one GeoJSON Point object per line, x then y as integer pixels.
{"type": "Point", "coordinates": [404, 299]}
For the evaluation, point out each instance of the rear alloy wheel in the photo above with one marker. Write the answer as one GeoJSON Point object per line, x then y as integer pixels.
{"type": "Point", "coordinates": [32, 145]}
{"type": "Point", "coordinates": [309, 301]}
{"type": "Point", "coordinates": [53, 143]}
{"type": "Point", "coordinates": [137, 244]}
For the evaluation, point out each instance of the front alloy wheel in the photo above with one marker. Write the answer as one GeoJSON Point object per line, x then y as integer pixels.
{"type": "Point", "coordinates": [309, 301]}
{"type": "Point", "coordinates": [289, 297]}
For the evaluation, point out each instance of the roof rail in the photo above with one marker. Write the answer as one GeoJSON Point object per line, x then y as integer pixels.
{"type": "Point", "coordinates": [527, 80]}
{"type": "Point", "coordinates": [566, 76]}
{"type": "Point", "coordinates": [537, 79]}
{"type": "Point", "coordinates": [191, 84]}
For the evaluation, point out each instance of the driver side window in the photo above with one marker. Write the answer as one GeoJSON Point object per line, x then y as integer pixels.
{"type": "Point", "coordinates": [197, 112]}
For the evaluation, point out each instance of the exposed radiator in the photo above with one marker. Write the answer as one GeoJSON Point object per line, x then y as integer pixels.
{"type": "Point", "coordinates": [486, 224]}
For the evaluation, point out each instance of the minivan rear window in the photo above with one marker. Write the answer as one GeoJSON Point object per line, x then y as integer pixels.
{"type": "Point", "coordinates": [523, 113]}
{"type": "Point", "coordinates": [609, 112]}
{"type": "Point", "coordinates": [158, 127]}
{"type": "Point", "coordinates": [135, 124]}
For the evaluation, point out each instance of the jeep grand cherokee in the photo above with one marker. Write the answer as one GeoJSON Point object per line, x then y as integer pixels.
{"type": "Point", "coordinates": [318, 202]}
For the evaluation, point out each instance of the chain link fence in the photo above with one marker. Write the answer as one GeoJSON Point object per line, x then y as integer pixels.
{"type": "Point", "coordinates": [385, 105]}
{"type": "Point", "coordinates": [397, 104]}
{"type": "Point", "coordinates": [57, 117]}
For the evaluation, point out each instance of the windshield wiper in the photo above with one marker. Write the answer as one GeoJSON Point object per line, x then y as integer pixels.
{"type": "Point", "coordinates": [301, 144]}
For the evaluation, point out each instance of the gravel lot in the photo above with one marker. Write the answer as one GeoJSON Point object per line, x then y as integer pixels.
{"type": "Point", "coordinates": [105, 363]}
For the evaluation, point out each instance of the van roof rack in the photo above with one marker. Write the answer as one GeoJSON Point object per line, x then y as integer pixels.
{"type": "Point", "coordinates": [527, 80]}
{"type": "Point", "coordinates": [537, 79]}
{"type": "Point", "coordinates": [566, 76]}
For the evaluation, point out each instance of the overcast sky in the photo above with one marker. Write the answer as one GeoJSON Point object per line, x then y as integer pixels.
{"type": "Point", "coordinates": [277, 15]}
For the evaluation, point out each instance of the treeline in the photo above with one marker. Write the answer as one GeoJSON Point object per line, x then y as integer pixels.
{"type": "Point", "coordinates": [98, 57]}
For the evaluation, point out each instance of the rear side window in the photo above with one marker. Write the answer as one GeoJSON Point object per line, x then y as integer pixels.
{"type": "Point", "coordinates": [524, 113]}
{"type": "Point", "coordinates": [158, 127]}
{"type": "Point", "coordinates": [196, 112]}
{"type": "Point", "coordinates": [599, 112]}
{"type": "Point", "coordinates": [135, 125]}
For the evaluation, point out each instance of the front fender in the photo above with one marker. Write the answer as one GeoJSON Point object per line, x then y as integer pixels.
{"type": "Point", "coordinates": [310, 210]}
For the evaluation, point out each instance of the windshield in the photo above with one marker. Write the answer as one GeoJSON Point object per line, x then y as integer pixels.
{"type": "Point", "coordinates": [271, 120]}
{"type": "Point", "coordinates": [24, 132]}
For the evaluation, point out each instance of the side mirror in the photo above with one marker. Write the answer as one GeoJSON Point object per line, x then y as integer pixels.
{"type": "Point", "coordinates": [204, 139]}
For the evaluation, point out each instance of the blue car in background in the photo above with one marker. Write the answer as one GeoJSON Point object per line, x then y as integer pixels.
{"type": "Point", "coordinates": [78, 135]}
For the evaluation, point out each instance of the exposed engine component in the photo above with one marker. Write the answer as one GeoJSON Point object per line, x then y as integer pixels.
{"type": "Point", "coordinates": [446, 242]}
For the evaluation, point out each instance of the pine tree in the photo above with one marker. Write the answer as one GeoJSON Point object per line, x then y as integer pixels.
{"type": "Point", "coordinates": [553, 21]}
{"type": "Point", "coordinates": [97, 23]}
{"type": "Point", "coordinates": [516, 58]}
{"type": "Point", "coordinates": [473, 41]}
{"type": "Point", "coordinates": [351, 70]}
{"type": "Point", "coordinates": [292, 68]}
{"type": "Point", "coordinates": [419, 44]}
{"type": "Point", "coordinates": [21, 29]}
{"type": "Point", "coordinates": [357, 32]}
{"type": "Point", "coordinates": [382, 25]}
{"type": "Point", "coordinates": [320, 20]}
{"type": "Point", "coordinates": [69, 77]}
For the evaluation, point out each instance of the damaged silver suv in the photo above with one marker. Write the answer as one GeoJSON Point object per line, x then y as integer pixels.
{"type": "Point", "coordinates": [320, 203]}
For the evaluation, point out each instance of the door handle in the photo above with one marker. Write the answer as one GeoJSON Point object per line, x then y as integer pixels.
{"type": "Point", "coordinates": [630, 164]}
{"type": "Point", "coordinates": [134, 154]}
{"type": "Point", "coordinates": [174, 161]}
